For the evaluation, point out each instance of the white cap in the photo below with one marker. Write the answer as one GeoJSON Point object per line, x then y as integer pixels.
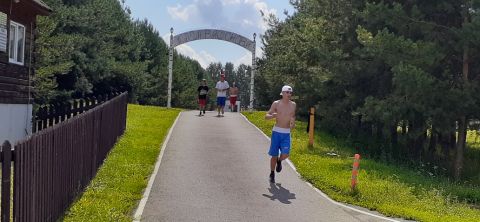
{"type": "Point", "coordinates": [286, 88]}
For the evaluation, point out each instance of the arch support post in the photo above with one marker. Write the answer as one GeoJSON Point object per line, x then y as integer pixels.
{"type": "Point", "coordinates": [252, 76]}
{"type": "Point", "coordinates": [170, 70]}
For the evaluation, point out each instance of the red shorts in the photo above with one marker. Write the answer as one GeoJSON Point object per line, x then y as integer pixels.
{"type": "Point", "coordinates": [233, 100]}
{"type": "Point", "coordinates": [202, 102]}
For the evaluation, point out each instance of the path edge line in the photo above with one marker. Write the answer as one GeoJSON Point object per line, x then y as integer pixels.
{"type": "Point", "coordinates": [316, 189]}
{"type": "Point", "coordinates": [141, 206]}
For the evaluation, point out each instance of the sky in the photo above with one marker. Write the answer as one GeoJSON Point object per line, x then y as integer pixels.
{"type": "Point", "coordinates": [240, 16]}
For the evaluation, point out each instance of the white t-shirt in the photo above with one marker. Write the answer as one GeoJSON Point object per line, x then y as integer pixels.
{"type": "Point", "coordinates": [222, 85]}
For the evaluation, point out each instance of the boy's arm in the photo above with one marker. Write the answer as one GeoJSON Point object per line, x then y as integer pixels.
{"type": "Point", "coordinates": [271, 114]}
{"type": "Point", "coordinates": [292, 118]}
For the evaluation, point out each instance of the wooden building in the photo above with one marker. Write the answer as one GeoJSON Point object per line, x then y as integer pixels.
{"type": "Point", "coordinates": [17, 34]}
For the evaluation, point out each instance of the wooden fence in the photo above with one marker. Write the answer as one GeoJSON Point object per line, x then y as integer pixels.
{"type": "Point", "coordinates": [53, 166]}
{"type": "Point", "coordinates": [52, 114]}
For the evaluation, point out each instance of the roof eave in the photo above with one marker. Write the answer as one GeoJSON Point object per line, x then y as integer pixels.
{"type": "Point", "coordinates": [42, 8]}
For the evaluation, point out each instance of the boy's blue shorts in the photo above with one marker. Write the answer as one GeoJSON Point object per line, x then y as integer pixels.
{"type": "Point", "coordinates": [280, 143]}
{"type": "Point", "coordinates": [221, 101]}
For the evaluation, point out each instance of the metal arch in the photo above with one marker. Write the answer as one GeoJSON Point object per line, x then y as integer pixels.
{"type": "Point", "coordinates": [214, 34]}
{"type": "Point", "coordinates": [211, 34]}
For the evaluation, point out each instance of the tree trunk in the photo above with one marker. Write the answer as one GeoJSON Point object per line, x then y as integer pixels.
{"type": "Point", "coordinates": [404, 127]}
{"type": "Point", "coordinates": [394, 133]}
{"type": "Point", "coordinates": [432, 145]}
{"type": "Point", "coordinates": [410, 140]}
{"type": "Point", "coordinates": [462, 123]}
{"type": "Point", "coordinates": [420, 143]}
{"type": "Point", "coordinates": [462, 137]}
{"type": "Point", "coordinates": [453, 140]}
{"type": "Point", "coordinates": [379, 131]}
{"type": "Point", "coordinates": [358, 126]}
{"type": "Point", "coordinates": [394, 141]}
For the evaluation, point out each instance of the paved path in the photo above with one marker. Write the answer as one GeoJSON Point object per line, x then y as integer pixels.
{"type": "Point", "coordinates": [216, 169]}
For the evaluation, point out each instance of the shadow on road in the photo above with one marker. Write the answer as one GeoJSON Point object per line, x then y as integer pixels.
{"type": "Point", "coordinates": [279, 193]}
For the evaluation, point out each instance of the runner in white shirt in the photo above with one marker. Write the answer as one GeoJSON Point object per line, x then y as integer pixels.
{"type": "Point", "coordinates": [222, 87]}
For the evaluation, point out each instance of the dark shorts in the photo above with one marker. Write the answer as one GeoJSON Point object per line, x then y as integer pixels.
{"type": "Point", "coordinates": [202, 102]}
{"type": "Point", "coordinates": [221, 101]}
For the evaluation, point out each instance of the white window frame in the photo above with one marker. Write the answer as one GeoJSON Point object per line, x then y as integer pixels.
{"type": "Point", "coordinates": [15, 58]}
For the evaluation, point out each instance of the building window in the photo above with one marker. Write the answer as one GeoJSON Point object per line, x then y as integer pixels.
{"type": "Point", "coordinates": [16, 43]}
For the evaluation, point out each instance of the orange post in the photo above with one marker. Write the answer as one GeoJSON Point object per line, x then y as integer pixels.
{"type": "Point", "coordinates": [311, 126]}
{"type": "Point", "coordinates": [356, 164]}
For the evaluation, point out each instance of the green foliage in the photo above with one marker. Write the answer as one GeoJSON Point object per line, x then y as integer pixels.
{"type": "Point", "coordinates": [94, 47]}
{"type": "Point", "coordinates": [394, 76]}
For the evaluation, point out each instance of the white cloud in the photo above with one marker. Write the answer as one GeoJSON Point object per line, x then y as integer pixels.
{"type": "Point", "coordinates": [263, 7]}
{"type": "Point", "coordinates": [243, 16]}
{"type": "Point", "coordinates": [230, 2]}
{"type": "Point", "coordinates": [182, 13]}
{"type": "Point", "coordinates": [203, 57]}
{"type": "Point", "coordinates": [207, 59]}
{"type": "Point", "coordinates": [247, 57]}
{"type": "Point", "coordinates": [247, 22]}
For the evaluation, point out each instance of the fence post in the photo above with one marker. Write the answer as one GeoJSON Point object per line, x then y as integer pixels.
{"type": "Point", "coordinates": [61, 112]}
{"type": "Point", "coordinates": [56, 112]}
{"type": "Point", "coordinates": [50, 119]}
{"type": "Point", "coordinates": [311, 126]}
{"type": "Point", "coordinates": [42, 115]}
{"type": "Point", "coordinates": [356, 164]}
{"type": "Point", "coordinates": [68, 110]}
{"type": "Point", "coordinates": [75, 107]}
{"type": "Point", "coordinates": [82, 106]}
{"type": "Point", "coordinates": [6, 164]}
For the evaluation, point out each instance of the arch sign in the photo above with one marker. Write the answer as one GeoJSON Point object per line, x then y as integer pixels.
{"type": "Point", "coordinates": [209, 34]}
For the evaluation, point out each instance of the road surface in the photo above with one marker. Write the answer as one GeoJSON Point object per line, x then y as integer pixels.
{"type": "Point", "coordinates": [216, 169]}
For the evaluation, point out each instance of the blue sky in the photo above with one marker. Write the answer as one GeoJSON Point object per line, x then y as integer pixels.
{"type": "Point", "coordinates": [239, 16]}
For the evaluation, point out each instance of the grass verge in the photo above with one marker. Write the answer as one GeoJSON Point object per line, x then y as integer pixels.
{"type": "Point", "coordinates": [118, 186]}
{"type": "Point", "coordinates": [389, 189]}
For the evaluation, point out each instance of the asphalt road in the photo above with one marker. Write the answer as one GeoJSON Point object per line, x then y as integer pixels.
{"type": "Point", "coordinates": [216, 169]}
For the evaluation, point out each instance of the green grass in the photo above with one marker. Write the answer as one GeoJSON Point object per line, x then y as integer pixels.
{"type": "Point", "coordinates": [473, 139]}
{"type": "Point", "coordinates": [119, 184]}
{"type": "Point", "coordinates": [472, 158]}
{"type": "Point", "coordinates": [392, 190]}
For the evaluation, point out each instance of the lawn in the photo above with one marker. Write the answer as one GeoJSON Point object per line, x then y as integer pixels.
{"type": "Point", "coordinates": [118, 186]}
{"type": "Point", "coordinates": [392, 190]}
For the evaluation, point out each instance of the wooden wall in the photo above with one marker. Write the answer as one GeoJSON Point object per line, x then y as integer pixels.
{"type": "Point", "coordinates": [14, 79]}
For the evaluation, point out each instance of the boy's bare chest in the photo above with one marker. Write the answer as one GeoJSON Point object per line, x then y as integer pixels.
{"type": "Point", "coordinates": [284, 109]}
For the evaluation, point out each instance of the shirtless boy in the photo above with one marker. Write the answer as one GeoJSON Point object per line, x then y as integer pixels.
{"type": "Point", "coordinates": [233, 91]}
{"type": "Point", "coordinates": [283, 111]}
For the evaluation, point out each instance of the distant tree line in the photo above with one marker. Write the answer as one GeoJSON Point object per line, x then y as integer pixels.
{"type": "Point", "coordinates": [401, 78]}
